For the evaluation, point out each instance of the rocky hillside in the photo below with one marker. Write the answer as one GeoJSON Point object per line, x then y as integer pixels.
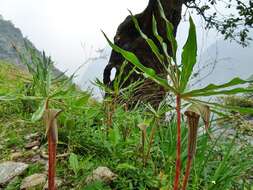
{"type": "Point", "coordinates": [223, 61]}
{"type": "Point", "coordinates": [9, 36]}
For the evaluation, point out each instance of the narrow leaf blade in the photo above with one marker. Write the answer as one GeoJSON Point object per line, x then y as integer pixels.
{"type": "Point", "coordinates": [189, 56]}
{"type": "Point", "coordinates": [148, 72]}
{"type": "Point", "coordinates": [40, 111]}
{"type": "Point", "coordinates": [211, 88]}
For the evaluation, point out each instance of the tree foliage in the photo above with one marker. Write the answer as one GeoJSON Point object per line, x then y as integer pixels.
{"type": "Point", "coordinates": [231, 18]}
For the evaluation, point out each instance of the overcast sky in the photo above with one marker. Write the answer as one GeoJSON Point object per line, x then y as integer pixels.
{"type": "Point", "coordinates": [67, 29]}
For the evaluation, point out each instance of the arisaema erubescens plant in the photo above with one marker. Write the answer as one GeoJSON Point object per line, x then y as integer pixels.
{"type": "Point", "coordinates": [118, 93]}
{"type": "Point", "coordinates": [177, 83]}
{"type": "Point", "coordinates": [48, 90]}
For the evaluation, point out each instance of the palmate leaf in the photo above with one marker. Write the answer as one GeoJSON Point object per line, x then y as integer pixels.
{"type": "Point", "coordinates": [148, 72]}
{"type": "Point", "coordinates": [211, 88]}
{"type": "Point", "coordinates": [189, 56]}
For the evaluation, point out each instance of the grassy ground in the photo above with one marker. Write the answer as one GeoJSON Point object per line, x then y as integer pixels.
{"type": "Point", "coordinates": [86, 142]}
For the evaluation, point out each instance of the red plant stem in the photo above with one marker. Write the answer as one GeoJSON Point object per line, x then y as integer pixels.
{"type": "Point", "coordinates": [178, 159]}
{"type": "Point", "coordinates": [187, 172]}
{"type": "Point", "coordinates": [51, 160]}
{"type": "Point", "coordinates": [51, 150]}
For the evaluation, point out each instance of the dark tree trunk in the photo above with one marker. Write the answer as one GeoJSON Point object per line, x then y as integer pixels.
{"type": "Point", "coordinates": [128, 38]}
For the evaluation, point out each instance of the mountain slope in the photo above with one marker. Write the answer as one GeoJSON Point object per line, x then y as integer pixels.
{"type": "Point", "coordinates": [9, 36]}
{"type": "Point", "coordinates": [223, 61]}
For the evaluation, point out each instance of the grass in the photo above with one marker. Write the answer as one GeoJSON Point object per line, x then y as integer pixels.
{"type": "Point", "coordinates": [220, 163]}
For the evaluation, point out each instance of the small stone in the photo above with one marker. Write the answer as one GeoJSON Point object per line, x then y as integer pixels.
{"type": "Point", "coordinates": [9, 170]}
{"type": "Point", "coordinates": [46, 167]}
{"type": "Point", "coordinates": [32, 144]}
{"type": "Point", "coordinates": [43, 154]}
{"type": "Point", "coordinates": [58, 183]}
{"type": "Point", "coordinates": [35, 158]}
{"type": "Point", "coordinates": [33, 181]}
{"type": "Point", "coordinates": [101, 174]}
{"type": "Point", "coordinates": [42, 161]}
{"type": "Point", "coordinates": [16, 155]}
{"type": "Point", "coordinates": [31, 136]}
{"type": "Point", "coordinates": [35, 148]}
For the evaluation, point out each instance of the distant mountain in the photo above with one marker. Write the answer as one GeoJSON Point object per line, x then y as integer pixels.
{"type": "Point", "coordinates": [223, 61]}
{"type": "Point", "coordinates": [94, 69]}
{"type": "Point", "coordinates": [9, 36]}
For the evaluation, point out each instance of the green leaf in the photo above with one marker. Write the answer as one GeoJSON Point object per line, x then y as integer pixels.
{"type": "Point", "coordinates": [125, 167]}
{"type": "Point", "coordinates": [214, 105]}
{"type": "Point", "coordinates": [210, 89]}
{"type": "Point", "coordinates": [73, 162]}
{"type": "Point", "coordinates": [114, 135]}
{"type": "Point", "coordinates": [40, 111]}
{"type": "Point", "coordinates": [224, 92]}
{"type": "Point", "coordinates": [170, 36]}
{"type": "Point", "coordinates": [8, 98]}
{"type": "Point", "coordinates": [149, 41]}
{"type": "Point", "coordinates": [163, 45]}
{"type": "Point", "coordinates": [131, 57]}
{"type": "Point", "coordinates": [155, 30]}
{"type": "Point", "coordinates": [170, 32]}
{"type": "Point", "coordinates": [242, 110]}
{"type": "Point", "coordinates": [96, 185]}
{"type": "Point", "coordinates": [102, 86]}
{"type": "Point", "coordinates": [189, 56]}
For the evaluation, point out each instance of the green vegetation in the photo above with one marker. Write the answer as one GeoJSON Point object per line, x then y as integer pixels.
{"type": "Point", "coordinates": [179, 76]}
{"type": "Point", "coordinates": [220, 163]}
{"type": "Point", "coordinates": [142, 146]}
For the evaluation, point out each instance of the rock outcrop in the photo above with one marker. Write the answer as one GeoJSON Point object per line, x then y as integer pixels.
{"type": "Point", "coordinates": [11, 35]}
{"type": "Point", "coordinates": [9, 170]}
